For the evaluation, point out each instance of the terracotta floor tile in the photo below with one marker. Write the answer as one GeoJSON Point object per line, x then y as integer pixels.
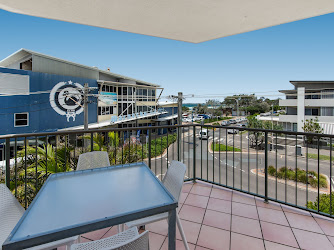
{"type": "Point", "coordinates": [191, 230]}
{"type": "Point", "coordinates": [112, 231]}
{"type": "Point", "coordinates": [214, 238]}
{"type": "Point", "coordinates": [221, 194]}
{"type": "Point", "coordinates": [244, 210]}
{"type": "Point", "coordinates": [201, 190]}
{"type": "Point", "coordinates": [310, 241]}
{"type": "Point", "coordinates": [179, 245]}
{"type": "Point", "coordinates": [203, 184]}
{"type": "Point", "coordinates": [327, 225]}
{"type": "Point", "coordinates": [186, 188]}
{"type": "Point", "coordinates": [243, 242]}
{"type": "Point", "coordinates": [303, 222]}
{"type": "Point", "coordinates": [272, 215]}
{"type": "Point", "coordinates": [219, 205]}
{"type": "Point", "coordinates": [83, 239]}
{"type": "Point", "coordinates": [271, 205]}
{"type": "Point", "coordinates": [183, 197]}
{"type": "Point", "coordinates": [156, 241]}
{"type": "Point", "coordinates": [197, 200]}
{"type": "Point", "coordinates": [275, 246]}
{"type": "Point", "coordinates": [159, 227]}
{"type": "Point", "coordinates": [201, 248]}
{"type": "Point", "coordinates": [278, 234]}
{"type": "Point", "coordinates": [294, 210]}
{"type": "Point", "coordinates": [243, 198]}
{"type": "Point", "coordinates": [190, 213]}
{"type": "Point", "coordinates": [96, 235]}
{"type": "Point", "coordinates": [331, 239]}
{"type": "Point", "coordinates": [246, 226]}
{"type": "Point", "coordinates": [217, 219]}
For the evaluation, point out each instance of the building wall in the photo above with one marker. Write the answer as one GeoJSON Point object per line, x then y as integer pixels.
{"type": "Point", "coordinates": [46, 65]}
{"type": "Point", "coordinates": [42, 113]}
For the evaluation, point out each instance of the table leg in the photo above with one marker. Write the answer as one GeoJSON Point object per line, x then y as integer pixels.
{"type": "Point", "coordinates": [172, 229]}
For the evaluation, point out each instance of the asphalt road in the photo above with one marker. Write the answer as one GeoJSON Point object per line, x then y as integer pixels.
{"type": "Point", "coordinates": [234, 169]}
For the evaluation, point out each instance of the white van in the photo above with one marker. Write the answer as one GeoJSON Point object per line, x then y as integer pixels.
{"type": "Point", "coordinates": [204, 134]}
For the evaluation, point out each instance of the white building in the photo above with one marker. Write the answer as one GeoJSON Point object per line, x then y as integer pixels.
{"type": "Point", "coordinates": [308, 100]}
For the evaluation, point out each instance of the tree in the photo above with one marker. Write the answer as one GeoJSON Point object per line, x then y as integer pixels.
{"type": "Point", "coordinates": [324, 204]}
{"type": "Point", "coordinates": [185, 109]}
{"type": "Point", "coordinates": [312, 126]}
{"type": "Point", "coordinates": [257, 138]}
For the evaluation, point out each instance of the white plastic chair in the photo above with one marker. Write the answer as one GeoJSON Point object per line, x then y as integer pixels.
{"type": "Point", "coordinates": [126, 240]}
{"type": "Point", "coordinates": [95, 159]}
{"type": "Point", "coordinates": [173, 181]}
{"type": "Point", "coordinates": [10, 213]}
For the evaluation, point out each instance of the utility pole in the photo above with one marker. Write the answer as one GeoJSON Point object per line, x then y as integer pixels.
{"type": "Point", "coordinates": [86, 106]}
{"type": "Point", "coordinates": [237, 106]}
{"type": "Point", "coordinates": [179, 122]}
{"type": "Point", "coordinates": [272, 127]}
{"type": "Point", "coordinates": [179, 108]}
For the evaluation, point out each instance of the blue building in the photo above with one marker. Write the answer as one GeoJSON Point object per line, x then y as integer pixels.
{"type": "Point", "coordinates": [41, 93]}
{"type": "Point", "coordinates": [41, 102]}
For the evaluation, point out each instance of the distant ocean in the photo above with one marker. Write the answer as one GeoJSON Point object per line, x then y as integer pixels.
{"type": "Point", "coordinates": [190, 105]}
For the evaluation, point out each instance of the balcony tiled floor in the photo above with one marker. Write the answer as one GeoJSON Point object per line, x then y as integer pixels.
{"type": "Point", "coordinates": [218, 218]}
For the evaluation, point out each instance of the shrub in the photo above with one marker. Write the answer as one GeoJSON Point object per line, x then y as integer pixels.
{"type": "Point", "coordinates": [324, 203]}
{"type": "Point", "coordinates": [290, 174]}
{"type": "Point", "coordinates": [272, 171]}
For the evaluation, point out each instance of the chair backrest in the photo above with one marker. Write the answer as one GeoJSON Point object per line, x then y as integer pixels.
{"type": "Point", "coordinates": [174, 177]}
{"type": "Point", "coordinates": [126, 240]}
{"type": "Point", "coordinates": [10, 212]}
{"type": "Point", "coordinates": [95, 159]}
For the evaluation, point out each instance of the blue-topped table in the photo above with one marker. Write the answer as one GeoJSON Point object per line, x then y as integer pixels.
{"type": "Point", "coordinates": [78, 202]}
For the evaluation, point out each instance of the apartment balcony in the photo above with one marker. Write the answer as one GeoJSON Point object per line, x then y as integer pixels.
{"type": "Point", "coordinates": [214, 217]}
{"type": "Point", "coordinates": [288, 102]}
{"type": "Point", "coordinates": [244, 190]}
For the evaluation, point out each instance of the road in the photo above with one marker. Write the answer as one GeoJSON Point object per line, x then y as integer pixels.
{"type": "Point", "coordinates": [234, 169]}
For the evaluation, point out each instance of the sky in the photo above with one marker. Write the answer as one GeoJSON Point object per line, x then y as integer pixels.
{"type": "Point", "coordinates": [260, 62]}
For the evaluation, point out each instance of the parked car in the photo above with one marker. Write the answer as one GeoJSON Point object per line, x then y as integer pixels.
{"type": "Point", "coordinates": [242, 125]}
{"type": "Point", "coordinates": [233, 121]}
{"type": "Point", "coordinates": [204, 134]}
{"type": "Point", "coordinates": [224, 123]}
{"type": "Point", "coordinates": [204, 116]}
{"type": "Point", "coordinates": [232, 131]}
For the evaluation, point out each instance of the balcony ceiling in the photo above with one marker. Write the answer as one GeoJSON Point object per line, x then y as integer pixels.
{"type": "Point", "coordinates": [190, 21]}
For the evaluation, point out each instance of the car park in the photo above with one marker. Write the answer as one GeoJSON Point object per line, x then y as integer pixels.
{"type": "Point", "coordinates": [232, 131]}
{"type": "Point", "coordinates": [204, 134]}
{"type": "Point", "coordinates": [224, 123]}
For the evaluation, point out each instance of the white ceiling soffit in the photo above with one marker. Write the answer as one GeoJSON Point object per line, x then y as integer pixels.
{"type": "Point", "coordinates": [186, 20]}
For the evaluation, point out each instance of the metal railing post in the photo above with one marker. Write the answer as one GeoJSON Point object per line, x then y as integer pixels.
{"type": "Point", "coordinates": [91, 142]}
{"type": "Point", "coordinates": [266, 167]}
{"type": "Point", "coordinates": [7, 162]}
{"type": "Point", "coordinates": [179, 144]}
{"type": "Point", "coordinates": [194, 152]}
{"type": "Point", "coordinates": [149, 148]}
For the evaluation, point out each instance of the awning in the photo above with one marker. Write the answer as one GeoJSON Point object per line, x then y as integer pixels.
{"type": "Point", "coordinates": [186, 20]}
{"type": "Point", "coordinates": [166, 118]}
{"type": "Point", "coordinates": [119, 119]}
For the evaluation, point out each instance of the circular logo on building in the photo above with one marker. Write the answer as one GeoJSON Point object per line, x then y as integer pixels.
{"type": "Point", "coordinates": [66, 98]}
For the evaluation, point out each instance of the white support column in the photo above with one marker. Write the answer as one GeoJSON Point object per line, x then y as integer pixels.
{"type": "Point", "coordinates": [300, 108]}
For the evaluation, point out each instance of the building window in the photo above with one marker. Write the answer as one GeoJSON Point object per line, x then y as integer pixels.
{"type": "Point", "coordinates": [312, 111]}
{"type": "Point", "coordinates": [106, 110]}
{"type": "Point", "coordinates": [21, 119]}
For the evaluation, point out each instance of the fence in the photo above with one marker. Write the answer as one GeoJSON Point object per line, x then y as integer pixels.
{"type": "Point", "coordinates": [248, 160]}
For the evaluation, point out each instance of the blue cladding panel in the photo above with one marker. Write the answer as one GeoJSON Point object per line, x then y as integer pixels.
{"type": "Point", "coordinates": [42, 116]}
{"type": "Point", "coordinates": [170, 110]}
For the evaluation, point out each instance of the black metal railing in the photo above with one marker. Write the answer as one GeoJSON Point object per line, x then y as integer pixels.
{"type": "Point", "coordinates": [287, 167]}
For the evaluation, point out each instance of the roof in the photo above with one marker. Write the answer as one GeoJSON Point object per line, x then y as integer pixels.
{"type": "Point", "coordinates": [22, 53]}
{"type": "Point", "coordinates": [191, 21]}
{"type": "Point", "coordinates": [310, 82]}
